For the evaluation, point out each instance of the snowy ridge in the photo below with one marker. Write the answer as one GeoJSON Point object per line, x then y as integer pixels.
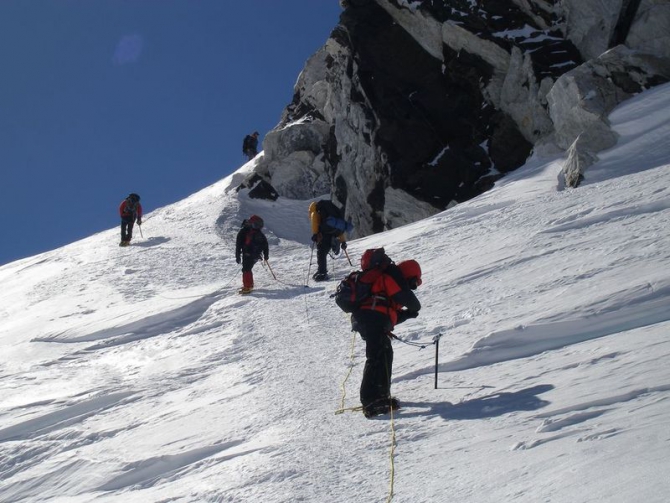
{"type": "Point", "coordinates": [138, 374]}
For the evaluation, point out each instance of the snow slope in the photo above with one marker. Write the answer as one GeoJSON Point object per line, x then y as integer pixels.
{"type": "Point", "coordinates": [139, 375]}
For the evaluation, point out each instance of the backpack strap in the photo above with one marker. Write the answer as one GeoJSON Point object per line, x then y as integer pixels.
{"type": "Point", "coordinates": [371, 276]}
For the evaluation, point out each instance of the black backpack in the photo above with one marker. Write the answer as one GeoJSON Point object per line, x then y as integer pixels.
{"type": "Point", "coordinates": [331, 218]}
{"type": "Point", "coordinates": [131, 204]}
{"type": "Point", "coordinates": [356, 289]}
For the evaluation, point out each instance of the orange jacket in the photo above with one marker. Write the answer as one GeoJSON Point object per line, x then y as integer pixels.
{"type": "Point", "coordinates": [315, 222]}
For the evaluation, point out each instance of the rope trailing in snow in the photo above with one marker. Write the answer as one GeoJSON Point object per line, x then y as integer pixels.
{"type": "Point", "coordinates": [360, 407]}
{"type": "Point", "coordinates": [392, 459]}
{"type": "Point", "coordinates": [266, 266]}
{"type": "Point", "coordinates": [346, 378]}
{"type": "Point", "coordinates": [357, 408]}
{"type": "Point", "coordinates": [392, 450]}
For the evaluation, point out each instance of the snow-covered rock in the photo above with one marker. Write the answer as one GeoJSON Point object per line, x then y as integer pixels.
{"type": "Point", "coordinates": [581, 99]}
{"type": "Point", "coordinates": [293, 159]}
{"type": "Point", "coordinates": [580, 157]}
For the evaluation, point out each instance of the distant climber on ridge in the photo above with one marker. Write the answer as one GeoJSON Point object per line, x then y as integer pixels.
{"type": "Point", "coordinates": [250, 145]}
{"type": "Point", "coordinates": [130, 211]}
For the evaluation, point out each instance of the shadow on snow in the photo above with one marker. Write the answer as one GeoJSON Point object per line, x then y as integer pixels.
{"type": "Point", "coordinates": [494, 405]}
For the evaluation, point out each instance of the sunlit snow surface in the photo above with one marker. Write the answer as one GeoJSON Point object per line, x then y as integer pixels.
{"type": "Point", "coordinates": [140, 375]}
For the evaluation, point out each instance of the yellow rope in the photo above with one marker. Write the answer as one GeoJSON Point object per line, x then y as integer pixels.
{"type": "Point", "coordinates": [346, 378]}
{"type": "Point", "coordinates": [392, 456]}
{"type": "Point", "coordinates": [356, 408]}
{"type": "Point", "coordinates": [392, 453]}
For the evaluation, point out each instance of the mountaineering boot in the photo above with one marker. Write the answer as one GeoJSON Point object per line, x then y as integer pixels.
{"type": "Point", "coordinates": [124, 243]}
{"type": "Point", "coordinates": [247, 280]}
{"type": "Point", "coordinates": [380, 406]}
{"type": "Point", "coordinates": [245, 290]}
{"type": "Point", "coordinates": [320, 276]}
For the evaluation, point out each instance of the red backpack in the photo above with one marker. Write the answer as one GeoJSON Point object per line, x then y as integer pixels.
{"type": "Point", "coordinates": [356, 289]}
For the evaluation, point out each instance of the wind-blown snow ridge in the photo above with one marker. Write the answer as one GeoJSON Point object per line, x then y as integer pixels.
{"type": "Point", "coordinates": [62, 418]}
{"type": "Point", "coordinates": [524, 341]}
{"type": "Point", "coordinates": [138, 374]}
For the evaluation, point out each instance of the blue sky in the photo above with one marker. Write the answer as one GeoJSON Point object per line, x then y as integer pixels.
{"type": "Point", "coordinates": [99, 98]}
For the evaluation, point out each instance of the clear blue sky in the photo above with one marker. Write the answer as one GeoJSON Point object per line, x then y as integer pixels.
{"type": "Point", "coordinates": [99, 98]}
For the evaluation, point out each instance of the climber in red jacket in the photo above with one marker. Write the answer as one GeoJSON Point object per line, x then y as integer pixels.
{"type": "Point", "coordinates": [130, 211]}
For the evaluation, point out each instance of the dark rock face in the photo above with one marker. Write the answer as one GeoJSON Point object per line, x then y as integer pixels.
{"type": "Point", "coordinates": [433, 125]}
{"type": "Point", "coordinates": [625, 21]}
{"type": "Point", "coordinates": [414, 105]}
{"type": "Point", "coordinates": [538, 36]}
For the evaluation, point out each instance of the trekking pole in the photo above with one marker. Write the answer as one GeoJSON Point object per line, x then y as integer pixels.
{"type": "Point", "coordinates": [347, 255]}
{"type": "Point", "coordinates": [140, 228]}
{"type": "Point", "coordinates": [271, 271]}
{"type": "Point", "coordinates": [309, 269]}
{"type": "Point", "coordinates": [436, 339]}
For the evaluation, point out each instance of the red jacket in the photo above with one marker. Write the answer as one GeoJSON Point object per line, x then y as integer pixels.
{"type": "Point", "coordinates": [385, 286]}
{"type": "Point", "coordinates": [391, 295]}
{"type": "Point", "coordinates": [126, 211]}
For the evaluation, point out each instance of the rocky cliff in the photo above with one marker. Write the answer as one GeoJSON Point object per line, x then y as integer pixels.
{"type": "Point", "coordinates": [412, 106]}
